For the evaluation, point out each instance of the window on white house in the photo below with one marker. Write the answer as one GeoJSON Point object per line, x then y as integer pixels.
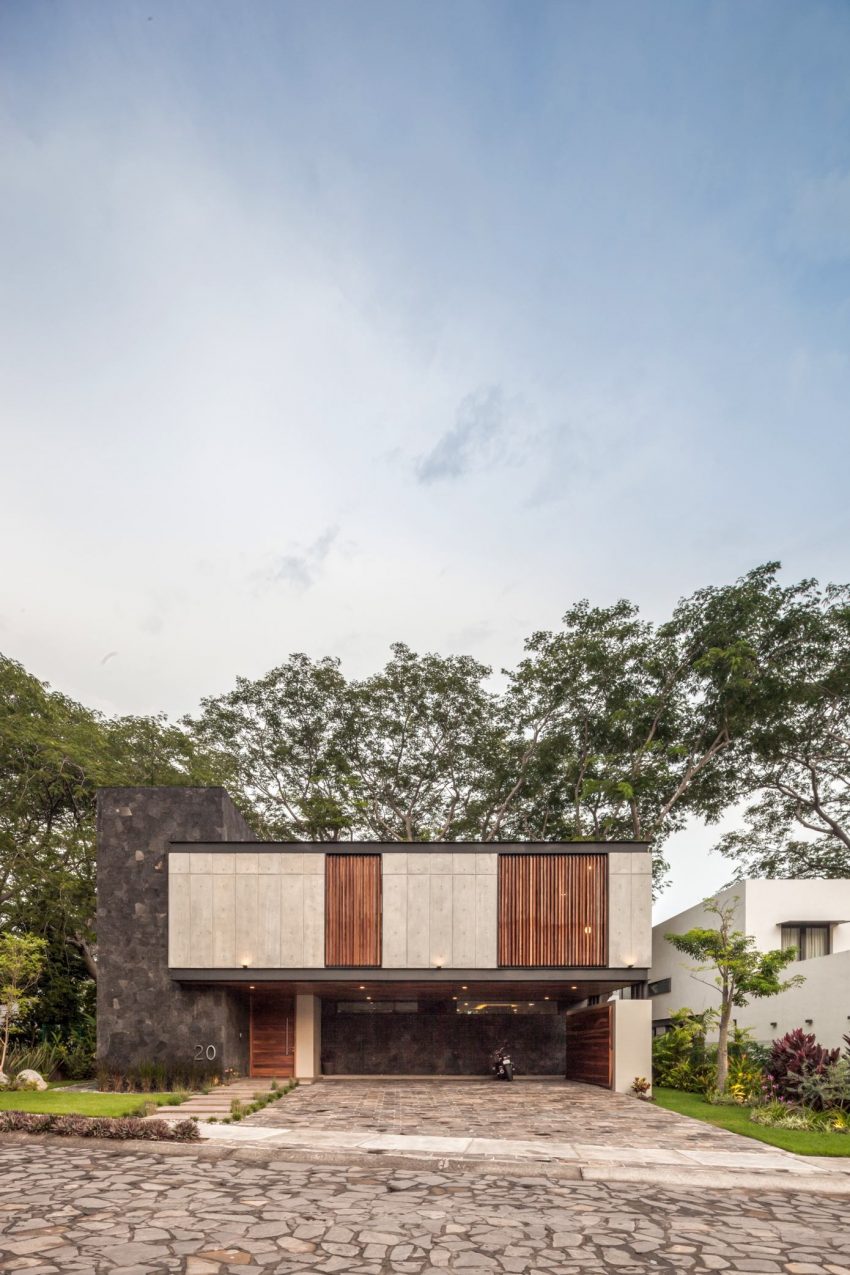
{"type": "Point", "coordinates": [809, 940]}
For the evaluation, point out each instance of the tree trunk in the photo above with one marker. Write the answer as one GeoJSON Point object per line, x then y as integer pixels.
{"type": "Point", "coordinates": [86, 953]}
{"type": "Point", "coordinates": [723, 1047]}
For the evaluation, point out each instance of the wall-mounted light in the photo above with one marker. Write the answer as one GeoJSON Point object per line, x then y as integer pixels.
{"type": "Point", "coordinates": [438, 961]}
{"type": "Point", "coordinates": [588, 929]}
{"type": "Point", "coordinates": [244, 965]}
{"type": "Point", "coordinates": [774, 1024]}
{"type": "Point", "coordinates": [809, 1022]}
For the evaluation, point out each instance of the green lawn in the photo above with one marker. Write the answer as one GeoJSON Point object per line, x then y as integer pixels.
{"type": "Point", "coordinates": [61, 1101]}
{"type": "Point", "coordinates": [737, 1120]}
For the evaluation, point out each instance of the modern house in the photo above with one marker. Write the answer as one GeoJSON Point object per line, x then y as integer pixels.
{"type": "Point", "coordinates": [320, 960]}
{"type": "Point", "coordinates": [811, 916]}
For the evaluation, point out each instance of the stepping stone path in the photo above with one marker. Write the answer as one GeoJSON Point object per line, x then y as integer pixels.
{"type": "Point", "coordinates": [217, 1102]}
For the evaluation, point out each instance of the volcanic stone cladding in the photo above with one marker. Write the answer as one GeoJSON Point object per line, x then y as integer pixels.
{"type": "Point", "coordinates": [142, 1015]}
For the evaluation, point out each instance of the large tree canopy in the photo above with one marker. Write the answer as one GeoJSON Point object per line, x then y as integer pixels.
{"type": "Point", "coordinates": [610, 727]}
{"type": "Point", "coordinates": [795, 765]}
{"type": "Point", "coordinates": [54, 754]}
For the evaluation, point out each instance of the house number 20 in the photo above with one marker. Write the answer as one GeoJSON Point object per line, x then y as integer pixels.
{"type": "Point", "coordinates": [205, 1051]}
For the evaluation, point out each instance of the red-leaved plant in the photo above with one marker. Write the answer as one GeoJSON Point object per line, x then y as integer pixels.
{"type": "Point", "coordinates": [793, 1056]}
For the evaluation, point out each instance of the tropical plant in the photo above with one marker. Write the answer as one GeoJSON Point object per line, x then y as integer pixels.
{"type": "Point", "coordinates": [826, 1089]}
{"type": "Point", "coordinates": [794, 1056]}
{"type": "Point", "coordinates": [740, 970]}
{"type": "Point", "coordinates": [21, 963]}
{"type": "Point", "coordinates": [680, 1058]}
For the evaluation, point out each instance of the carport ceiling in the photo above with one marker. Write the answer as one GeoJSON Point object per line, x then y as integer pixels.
{"type": "Point", "coordinates": [526, 990]}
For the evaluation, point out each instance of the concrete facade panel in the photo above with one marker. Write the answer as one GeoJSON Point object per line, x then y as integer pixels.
{"type": "Point", "coordinates": [224, 918]}
{"type": "Point", "coordinates": [201, 918]}
{"type": "Point", "coordinates": [486, 921]}
{"type": "Point", "coordinates": [394, 921]}
{"type": "Point", "coordinates": [463, 920]}
{"type": "Point", "coordinates": [269, 921]}
{"type": "Point", "coordinates": [441, 918]}
{"type": "Point", "coordinates": [292, 921]}
{"type": "Point", "coordinates": [418, 921]}
{"type": "Point", "coordinates": [180, 916]}
{"type": "Point", "coordinates": [314, 917]}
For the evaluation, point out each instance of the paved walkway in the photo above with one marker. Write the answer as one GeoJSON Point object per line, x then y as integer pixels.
{"type": "Point", "coordinates": [591, 1132]}
{"type": "Point", "coordinates": [527, 1110]}
{"type": "Point", "coordinates": [114, 1211]}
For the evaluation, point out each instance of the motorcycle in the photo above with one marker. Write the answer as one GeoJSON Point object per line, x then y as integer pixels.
{"type": "Point", "coordinates": [503, 1067]}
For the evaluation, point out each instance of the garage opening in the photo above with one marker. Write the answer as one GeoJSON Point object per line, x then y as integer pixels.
{"type": "Point", "coordinates": [429, 1037]}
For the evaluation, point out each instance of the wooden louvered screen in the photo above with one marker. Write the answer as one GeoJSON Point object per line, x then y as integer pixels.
{"type": "Point", "coordinates": [590, 1051]}
{"type": "Point", "coordinates": [553, 909]}
{"type": "Point", "coordinates": [353, 909]}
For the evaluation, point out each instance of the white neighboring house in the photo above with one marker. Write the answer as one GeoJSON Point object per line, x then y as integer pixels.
{"type": "Point", "coordinates": [812, 916]}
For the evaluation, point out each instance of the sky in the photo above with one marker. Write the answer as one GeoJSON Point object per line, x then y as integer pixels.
{"type": "Point", "coordinates": [325, 325]}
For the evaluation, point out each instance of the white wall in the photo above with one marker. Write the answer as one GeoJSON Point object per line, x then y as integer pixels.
{"type": "Point", "coordinates": [761, 908]}
{"type": "Point", "coordinates": [632, 1028]}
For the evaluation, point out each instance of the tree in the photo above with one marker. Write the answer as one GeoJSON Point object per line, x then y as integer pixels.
{"type": "Point", "coordinates": [54, 754]}
{"type": "Point", "coordinates": [797, 763]}
{"type": "Point", "coordinates": [21, 962]}
{"type": "Point", "coordinates": [406, 754]}
{"type": "Point", "coordinates": [742, 971]}
{"type": "Point", "coordinates": [628, 728]}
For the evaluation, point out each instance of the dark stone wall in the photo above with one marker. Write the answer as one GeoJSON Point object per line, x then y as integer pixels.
{"type": "Point", "coordinates": [439, 1043]}
{"type": "Point", "coordinates": [141, 1014]}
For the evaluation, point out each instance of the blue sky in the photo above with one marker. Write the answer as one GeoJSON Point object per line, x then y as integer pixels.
{"type": "Point", "coordinates": [325, 325]}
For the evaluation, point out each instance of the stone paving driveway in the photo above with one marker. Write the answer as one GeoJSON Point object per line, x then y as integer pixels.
{"type": "Point", "coordinates": [562, 1111]}
{"type": "Point", "coordinates": [129, 1212]}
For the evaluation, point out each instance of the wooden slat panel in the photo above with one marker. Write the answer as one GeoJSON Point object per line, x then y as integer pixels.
{"type": "Point", "coordinates": [553, 910]}
{"type": "Point", "coordinates": [353, 910]}
{"type": "Point", "coordinates": [272, 1036]}
{"type": "Point", "coordinates": [590, 1051]}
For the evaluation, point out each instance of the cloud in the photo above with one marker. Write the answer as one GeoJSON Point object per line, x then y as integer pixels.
{"type": "Point", "coordinates": [472, 441]}
{"type": "Point", "coordinates": [302, 568]}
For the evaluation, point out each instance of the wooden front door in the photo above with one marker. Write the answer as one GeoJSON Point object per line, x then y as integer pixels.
{"type": "Point", "coordinates": [272, 1035]}
{"type": "Point", "coordinates": [590, 1045]}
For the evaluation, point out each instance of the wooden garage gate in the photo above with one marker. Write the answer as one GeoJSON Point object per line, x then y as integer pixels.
{"type": "Point", "coordinates": [590, 1045]}
{"type": "Point", "coordinates": [272, 1035]}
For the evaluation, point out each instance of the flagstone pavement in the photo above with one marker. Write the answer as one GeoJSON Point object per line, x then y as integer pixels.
{"type": "Point", "coordinates": [73, 1208]}
{"type": "Point", "coordinates": [526, 1110]}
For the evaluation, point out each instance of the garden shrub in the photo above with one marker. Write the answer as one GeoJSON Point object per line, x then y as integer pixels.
{"type": "Point", "coordinates": [745, 1078]}
{"type": "Point", "coordinates": [680, 1059]}
{"type": "Point", "coordinates": [157, 1077]}
{"type": "Point", "coordinates": [779, 1115]}
{"type": "Point", "coordinates": [793, 1057]}
{"type": "Point", "coordinates": [122, 1127]}
{"type": "Point", "coordinates": [828, 1089]}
